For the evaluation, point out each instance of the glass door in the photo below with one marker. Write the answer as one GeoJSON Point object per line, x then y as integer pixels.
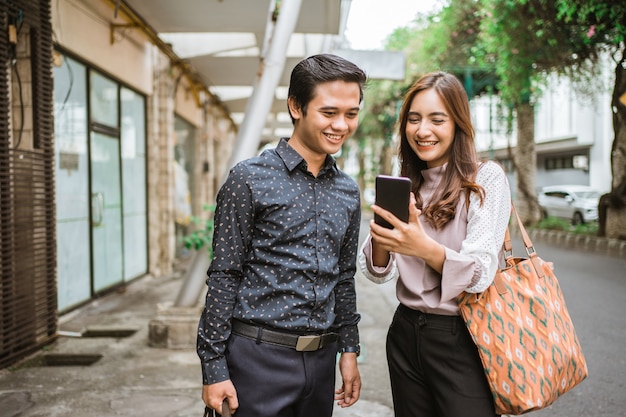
{"type": "Point", "coordinates": [101, 204]}
{"type": "Point", "coordinates": [105, 183]}
{"type": "Point", "coordinates": [106, 211]}
{"type": "Point", "coordinates": [72, 184]}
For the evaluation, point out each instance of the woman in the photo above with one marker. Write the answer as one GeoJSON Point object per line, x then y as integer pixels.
{"type": "Point", "coordinates": [452, 243]}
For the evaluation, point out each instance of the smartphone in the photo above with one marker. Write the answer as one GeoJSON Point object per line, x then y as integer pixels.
{"type": "Point", "coordinates": [393, 194]}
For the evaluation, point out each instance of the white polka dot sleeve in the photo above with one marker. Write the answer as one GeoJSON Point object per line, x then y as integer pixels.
{"type": "Point", "coordinates": [486, 224]}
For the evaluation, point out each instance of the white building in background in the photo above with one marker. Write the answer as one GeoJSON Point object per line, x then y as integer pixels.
{"type": "Point", "coordinates": [573, 133]}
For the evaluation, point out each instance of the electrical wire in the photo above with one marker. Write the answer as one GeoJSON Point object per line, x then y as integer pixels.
{"type": "Point", "coordinates": [21, 98]}
{"type": "Point", "coordinates": [70, 88]}
{"type": "Point", "coordinates": [20, 24]}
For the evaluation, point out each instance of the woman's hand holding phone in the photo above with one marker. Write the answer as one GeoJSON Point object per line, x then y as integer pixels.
{"type": "Point", "coordinates": [404, 238]}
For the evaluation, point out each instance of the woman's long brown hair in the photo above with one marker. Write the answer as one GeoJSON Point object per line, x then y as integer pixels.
{"type": "Point", "coordinates": [460, 174]}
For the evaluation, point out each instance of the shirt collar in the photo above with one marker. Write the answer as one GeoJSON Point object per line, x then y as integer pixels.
{"type": "Point", "coordinates": [292, 159]}
{"type": "Point", "coordinates": [434, 174]}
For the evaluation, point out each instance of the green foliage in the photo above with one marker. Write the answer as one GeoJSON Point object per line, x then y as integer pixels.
{"type": "Point", "coordinates": [456, 30]}
{"type": "Point", "coordinates": [379, 109]}
{"type": "Point", "coordinates": [202, 236]}
{"type": "Point", "coordinates": [527, 39]}
{"type": "Point", "coordinates": [586, 229]}
{"type": "Point", "coordinates": [520, 42]}
{"type": "Point", "coordinates": [399, 38]}
{"type": "Point", "coordinates": [504, 47]}
{"type": "Point", "coordinates": [594, 22]}
{"type": "Point", "coordinates": [514, 42]}
{"type": "Point", "coordinates": [595, 28]}
{"type": "Point", "coordinates": [553, 223]}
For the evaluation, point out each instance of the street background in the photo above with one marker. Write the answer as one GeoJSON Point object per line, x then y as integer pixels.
{"type": "Point", "coordinates": [134, 379]}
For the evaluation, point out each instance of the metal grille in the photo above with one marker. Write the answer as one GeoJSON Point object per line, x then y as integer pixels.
{"type": "Point", "coordinates": [28, 306]}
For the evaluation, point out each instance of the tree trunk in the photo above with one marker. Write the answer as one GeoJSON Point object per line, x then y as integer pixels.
{"type": "Point", "coordinates": [362, 167]}
{"type": "Point", "coordinates": [525, 161]}
{"type": "Point", "coordinates": [612, 207]}
{"type": "Point", "coordinates": [385, 157]}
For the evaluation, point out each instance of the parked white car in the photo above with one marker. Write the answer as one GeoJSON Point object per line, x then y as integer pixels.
{"type": "Point", "coordinates": [576, 203]}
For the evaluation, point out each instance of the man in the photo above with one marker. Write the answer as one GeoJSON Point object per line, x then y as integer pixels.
{"type": "Point", "coordinates": [281, 301]}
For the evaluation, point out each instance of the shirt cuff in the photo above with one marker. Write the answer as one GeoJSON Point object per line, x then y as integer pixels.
{"type": "Point", "coordinates": [348, 337]}
{"type": "Point", "coordinates": [459, 272]}
{"type": "Point", "coordinates": [215, 371]}
{"type": "Point", "coordinates": [376, 274]}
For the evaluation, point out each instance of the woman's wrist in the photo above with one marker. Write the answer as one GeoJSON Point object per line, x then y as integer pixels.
{"type": "Point", "coordinates": [380, 257]}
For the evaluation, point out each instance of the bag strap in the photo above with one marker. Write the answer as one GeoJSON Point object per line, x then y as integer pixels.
{"type": "Point", "coordinates": [498, 282]}
{"type": "Point", "coordinates": [528, 245]}
{"type": "Point", "coordinates": [507, 245]}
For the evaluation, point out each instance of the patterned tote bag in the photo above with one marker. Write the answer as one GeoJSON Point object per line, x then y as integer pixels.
{"type": "Point", "coordinates": [524, 333]}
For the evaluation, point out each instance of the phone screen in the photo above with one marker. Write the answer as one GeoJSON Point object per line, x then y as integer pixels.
{"type": "Point", "coordinates": [393, 194]}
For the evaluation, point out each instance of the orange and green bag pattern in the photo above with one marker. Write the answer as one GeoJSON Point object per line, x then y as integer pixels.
{"type": "Point", "coordinates": [524, 334]}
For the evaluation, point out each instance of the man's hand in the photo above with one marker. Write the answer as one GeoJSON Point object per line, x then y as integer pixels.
{"type": "Point", "coordinates": [350, 389]}
{"type": "Point", "coordinates": [213, 395]}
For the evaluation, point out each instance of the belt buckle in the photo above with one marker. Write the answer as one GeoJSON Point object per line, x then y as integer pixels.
{"type": "Point", "coordinates": [308, 343]}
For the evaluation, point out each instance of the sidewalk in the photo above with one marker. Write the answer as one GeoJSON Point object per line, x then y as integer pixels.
{"type": "Point", "coordinates": [130, 378]}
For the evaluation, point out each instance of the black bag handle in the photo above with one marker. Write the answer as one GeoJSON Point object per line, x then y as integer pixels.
{"type": "Point", "coordinates": [209, 412]}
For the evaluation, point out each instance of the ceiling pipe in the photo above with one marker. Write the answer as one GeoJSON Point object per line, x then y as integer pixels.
{"type": "Point", "coordinates": [271, 68]}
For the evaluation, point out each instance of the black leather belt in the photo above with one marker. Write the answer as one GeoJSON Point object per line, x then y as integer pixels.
{"type": "Point", "coordinates": [306, 343]}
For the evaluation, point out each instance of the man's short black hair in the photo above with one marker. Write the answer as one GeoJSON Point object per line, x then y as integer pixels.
{"type": "Point", "coordinates": [317, 69]}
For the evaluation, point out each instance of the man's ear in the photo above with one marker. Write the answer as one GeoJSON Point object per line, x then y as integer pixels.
{"type": "Point", "coordinates": [294, 109]}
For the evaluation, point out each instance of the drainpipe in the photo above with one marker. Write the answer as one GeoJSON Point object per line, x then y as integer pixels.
{"type": "Point", "coordinates": [249, 137]}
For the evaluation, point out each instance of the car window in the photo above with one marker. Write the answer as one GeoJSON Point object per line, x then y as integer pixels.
{"type": "Point", "coordinates": [588, 194]}
{"type": "Point", "coordinates": [557, 194]}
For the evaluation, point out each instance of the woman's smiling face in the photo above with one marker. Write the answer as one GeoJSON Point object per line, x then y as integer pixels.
{"type": "Point", "coordinates": [429, 128]}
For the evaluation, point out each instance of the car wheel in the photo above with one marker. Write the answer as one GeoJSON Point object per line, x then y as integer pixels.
{"type": "Point", "coordinates": [578, 219]}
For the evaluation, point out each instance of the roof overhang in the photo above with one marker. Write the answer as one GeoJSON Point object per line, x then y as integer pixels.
{"type": "Point", "coordinates": [223, 40]}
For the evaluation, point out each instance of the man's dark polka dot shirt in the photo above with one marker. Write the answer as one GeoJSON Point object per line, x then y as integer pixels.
{"type": "Point", "coordinates": [284, 247]}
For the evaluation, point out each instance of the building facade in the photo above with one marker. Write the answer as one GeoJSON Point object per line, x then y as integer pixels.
{"type": "Point", "coordinates": [573, 133]}
{"type": "Point", "coordinates": [108, 145]}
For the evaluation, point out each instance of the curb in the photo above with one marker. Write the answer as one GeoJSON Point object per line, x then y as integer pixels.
{"type": "Point", "coordinates": [596, 244]}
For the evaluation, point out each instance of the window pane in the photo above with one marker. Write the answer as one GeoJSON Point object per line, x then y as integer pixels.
{"type": "Point", "coordinates": [103, 100]}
